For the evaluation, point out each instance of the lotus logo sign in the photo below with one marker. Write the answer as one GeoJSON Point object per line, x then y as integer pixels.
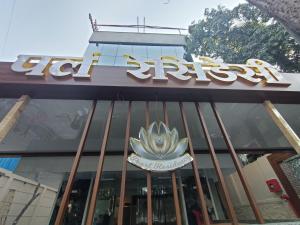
{"type": "Point", "coordinates": [159, 149]}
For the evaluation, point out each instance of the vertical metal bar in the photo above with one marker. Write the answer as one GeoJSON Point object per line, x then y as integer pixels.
{"type": "Point", "coordinates": [195, 168]}
{"type": "Point", "coordinates": [149, 183]}
{"type": "Point", "coordinates": [173, 175]}
{"type": "Point", "coordinates": [68, 189]}
{"type": "Point", "coordinates": [285, 128]}
{"type": "Point", "coordinates": [238, 166]}
{"type": "Point", "coordinates": [124, 168]}
{"type": "Point", "coordinates": [217, 166]}
{"type": "Point", "coordinates": [92, 205]}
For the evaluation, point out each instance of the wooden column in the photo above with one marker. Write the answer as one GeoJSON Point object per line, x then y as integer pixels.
{"type": "Point", "coordinates": [65, 199]}
{"type": "Point", "coordinates": [238, 166]}
{"type": "Point", "coordinates": [285, 128]}
{"type": "Point", "coordinates": [149, 182]}
{"type": "Point", "coordinates": [124, 168]}
{"type": "Point", "coordinates": [217, 166]}
{"type": "Point", "coordinates": [195, 168]}
{"type": "Point", "coordinates": [92, 205]}
{"type": "Point", "coordinates": [173, 175]}
{"type": "Point", "coordinates": [10, 119]}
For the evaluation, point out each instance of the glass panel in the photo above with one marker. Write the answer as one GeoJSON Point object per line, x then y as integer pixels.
{"type": "Point", "coordinates": [32, 188]}
{"type": "Point", "coordinates": [139, 51]}
{"type": "Point", "coordinates": [80, 194]}
{"type": "Point", "coordinates": [117, 128]}
{"type": "Point", "coordinates": [120, 61]}
{"type": "Point", "coordinates": [135, 210]}
{"type": "Point", "coordinates": [156, 111]}
{"type": "Point", "coordinates": [266, 188]}
{"type": "Point", "coordinates": [48, 125]}
{"type": "Point", "coordinates": [189, 198]}
{"type": "Point", "coordinates": [106, 60]}
{"type": "Point", "coordinates": [138, 118]}
{"type": "Point", "coordinates": [162, 200]}
{"type": "Point", "coordinates": [108, 195]}
{"type": "Point", "coordinates": [95, 134]}
{"type": "Point", "coordinates": [109, 49]}
{"type": "Point", "coordinates": [5, 106]}
{"type": "Point", "coordinates": [251, 127]}
{"type": "Point", "coordinates": [125, 50]}
{"type": "Point", "coordinates": [199, 142]}
{"type": "Point", "coordinates": [175, 118]}
{"type": "Point", "coordinates": [291, 113]}
{"type": "Point", "coordinates": [237, 193]}
{"type": "Point", "coordinates": [180, 52]}
{"type": "Point", "coordinates": [168, 51]}
{"type": "Point", "coordinates": [213, 127]}
{"type": "Point", "coordinates": [154, 52]}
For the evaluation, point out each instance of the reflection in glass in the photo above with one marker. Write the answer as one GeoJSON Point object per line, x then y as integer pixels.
{"type": "Point", "coordinates": [118, 127]}
{"type": "Point", "coordinates": [258, 170]}
{"type": "Point", "coordinates": [106, 60]}
{"type": "Point", "coordinates": [256, 128]}
{"type": "Point", "coordinates": [109, 49]}
{"type": "Point", "coordinates": [140, 51]}
{"type": "Point", "coordinates": [154, 52]}
{"type": "Point", "coordinates": [5, 106]}
{"type": "Point", "coordinates": [120, 61]}
{"type": "Point", "coordinates": [190, 205]}
{"type": "Point", "coordinates": [48, 125]}
{"type": "Point", "coordinates": [291, 113]}
{"type": "Point", "coordinates": [168, 51]}
{"type": "Point", "coordinates": [125, 50]}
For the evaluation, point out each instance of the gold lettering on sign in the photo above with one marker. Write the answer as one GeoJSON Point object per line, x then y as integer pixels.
{"type": "Point", "coordinates": [41, 65]}
{"type": "Point", "coordinates": [203, 70]}
{"type": "Point", "coordinates": [267, 72]}
{"type": "Point", "coordinates": [143, 69]}
{"type": "Point", "coordinates": [57, 68]}
{"type": "Point", "coordinates": [36, 68]}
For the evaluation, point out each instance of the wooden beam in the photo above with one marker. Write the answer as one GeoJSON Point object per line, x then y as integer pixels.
{"type": "Point", "coordinates": [71, 179]}
{"type": "Point", "coordinates": [217, 166]}
{"type": "Point", "coordinates": [173, 175]}
{"type": "Point", "coordinates": [124, 169]}
{"type": "Point", "coordinates": [96, 187]}
{"type": "Point", "coordinates": [149, 179]}
{"type": "Point", "coordinates": [238, 166]}
{"type": "Point", "coordinates": [10, 119]}
{"type": "Point", "coordinates": [196, 172]}
{"type": "Point", "coordinates": [287, 131]}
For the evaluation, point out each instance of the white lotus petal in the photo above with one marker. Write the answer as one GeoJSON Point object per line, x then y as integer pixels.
{"type": "Point", "coordinates": [144, 139]}
{"type": "Point", "coordinates": [174, 140]}
{"type": "Point", "coordinates": [139, 149]}
{"type": "Point", "coordinates": [180, 149]}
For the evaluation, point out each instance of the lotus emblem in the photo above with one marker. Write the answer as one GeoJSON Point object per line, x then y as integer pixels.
{"type": "Point", "coordinates": [159, 149]}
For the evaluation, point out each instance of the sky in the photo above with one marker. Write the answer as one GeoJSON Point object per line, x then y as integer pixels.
{"type": "Point", "coordinates": [62, 27]}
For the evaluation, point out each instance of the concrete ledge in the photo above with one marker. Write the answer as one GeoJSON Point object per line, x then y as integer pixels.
{"type": "Point", "coordinates": [137, 38]}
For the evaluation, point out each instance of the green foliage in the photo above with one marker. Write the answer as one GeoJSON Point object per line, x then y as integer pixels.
{"type": "Point", "coordinates": [243, 33]}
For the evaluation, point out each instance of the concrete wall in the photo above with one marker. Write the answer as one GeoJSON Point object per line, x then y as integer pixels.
{"type": "Point", "coordinates": [15, 193]}
{"type": "Point", "coordinates": [270, 204]}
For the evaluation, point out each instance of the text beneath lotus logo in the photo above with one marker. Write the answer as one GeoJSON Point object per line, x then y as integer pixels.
{"type": "Point", "coordinates": [159, 149]}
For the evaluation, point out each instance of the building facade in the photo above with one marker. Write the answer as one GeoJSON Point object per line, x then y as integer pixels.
{"type": "Point", "coordinates": [89, 151]}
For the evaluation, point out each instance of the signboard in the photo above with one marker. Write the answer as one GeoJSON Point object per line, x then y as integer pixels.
{"type": "Point", "coordinates": [205, 71]}
{"type": "Point", "coordinates": [167, 78]}
{"type": "Point", "coordinates": [158, 149]}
